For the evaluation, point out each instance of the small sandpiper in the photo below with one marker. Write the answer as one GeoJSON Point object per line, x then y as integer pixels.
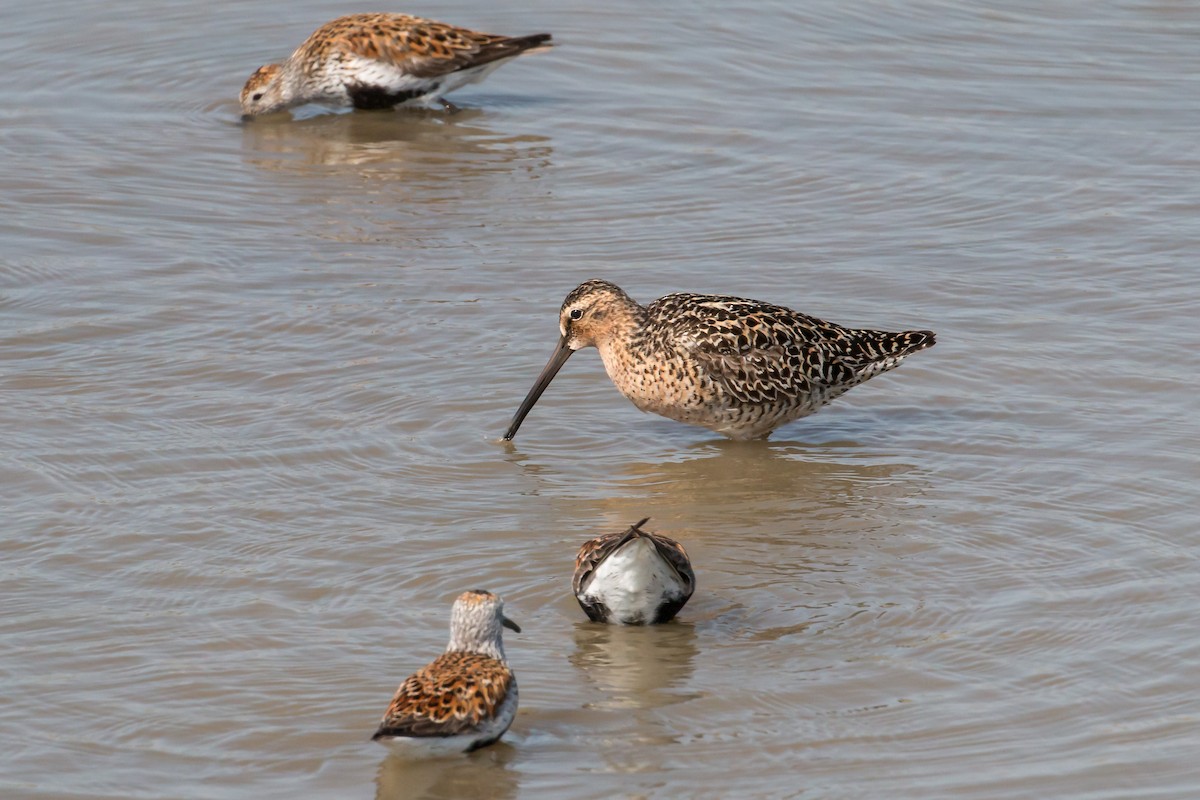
{"type": "Point", "coordinates": [738, 367]}
{"type": "Point", "coordinates": [467, 697]}
{"type": "Point", "coordinates": [633, 578]}
{"type": "Point", "coordinates": [375, 61]}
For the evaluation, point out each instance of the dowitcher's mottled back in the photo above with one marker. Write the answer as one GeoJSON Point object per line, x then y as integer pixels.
{"type": "Point", "coordinates": [739, 367]}
{"type": "Point", "coordinates": [380, 61]}
{"type": "Point", "coordinates": [467, 697]}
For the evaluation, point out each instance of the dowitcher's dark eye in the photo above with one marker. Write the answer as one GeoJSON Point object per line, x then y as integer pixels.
{"type": "Point", "coordinates": [576, 313]}
{"type": "Point", "coordinates": [256, 96]}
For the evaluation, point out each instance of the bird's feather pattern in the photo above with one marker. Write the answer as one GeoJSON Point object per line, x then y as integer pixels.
{"type": "Point", "coordinates": [380, 60]}
{"type": "Point", "coordinates": [760, 353]}
{"type": "Point", "coordinates": [419, 47]}
{"type": "Point", "coordinates": [454, 694]}
{"type": "Point", "coordinates": [736, 366]}
{"type": "Point", "coordinates": [595, 551]}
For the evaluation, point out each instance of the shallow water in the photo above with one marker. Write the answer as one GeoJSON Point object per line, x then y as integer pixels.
{"type": "Point", "coordinates": [254, 378]}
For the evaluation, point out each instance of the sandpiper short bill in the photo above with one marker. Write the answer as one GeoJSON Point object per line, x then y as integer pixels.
{"type": "Point", "coordinates": [467, 697]}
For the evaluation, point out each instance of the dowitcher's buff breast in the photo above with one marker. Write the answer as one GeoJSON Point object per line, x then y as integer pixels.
{"type": "Point", "coordinates": [373, 61]}
{"type": "Point", "coordinates": [736, 366]}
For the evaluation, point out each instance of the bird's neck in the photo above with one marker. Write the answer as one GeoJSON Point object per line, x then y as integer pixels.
{"type": "Point", "coordinates": [622, 327]}
{"type": "Point", "coordinates": [492, 649]}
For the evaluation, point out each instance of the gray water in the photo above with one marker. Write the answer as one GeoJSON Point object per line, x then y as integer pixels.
{"type": "Point", "coordinates": [254, 377]}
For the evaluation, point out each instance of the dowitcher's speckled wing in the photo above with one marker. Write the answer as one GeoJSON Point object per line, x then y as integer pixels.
{"type": "Point", "coordinates": [454, 694]}
{"type": "Point", "coordinates": [761, 353]}
{"type": "Point", "coordinates": [421, 47]}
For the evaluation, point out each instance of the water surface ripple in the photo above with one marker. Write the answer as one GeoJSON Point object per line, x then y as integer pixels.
{"type": "Point", "coordinates": [254, 378]}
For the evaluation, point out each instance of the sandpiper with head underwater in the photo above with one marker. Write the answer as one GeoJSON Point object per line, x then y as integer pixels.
{"type": "Point", "coordinates": [633, 577]}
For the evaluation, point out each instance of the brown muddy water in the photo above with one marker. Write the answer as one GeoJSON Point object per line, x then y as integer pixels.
{"type": "Point", "coordinates": [254, 378]}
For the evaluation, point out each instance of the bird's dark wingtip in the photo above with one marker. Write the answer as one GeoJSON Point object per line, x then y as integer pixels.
{"type": "Point", "coordinates": [534, 42]}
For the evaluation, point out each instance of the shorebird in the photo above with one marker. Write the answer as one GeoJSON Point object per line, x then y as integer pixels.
{"type": "Point", "coordinates": [738, 367]}
{"type": "Point", "coordinates": [467, 697]}
{"type": "Point", "coordinates": [374, 61]}
{"type": "Point", "coordinates": [633, 577]}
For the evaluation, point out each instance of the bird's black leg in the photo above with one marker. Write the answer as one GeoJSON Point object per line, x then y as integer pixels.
{"type": "Point", "coordinates": [446, 104]}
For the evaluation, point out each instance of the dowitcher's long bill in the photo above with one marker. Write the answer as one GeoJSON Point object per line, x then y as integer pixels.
{"type": "Point", "coordinates": [633, 578]}
{"type": "Point", "coordinates": [735, 366]}
{"type": "Point", "coordinates": [467, 697]}
{"type": "Point", "coordinates": [561, 353]}
{"type": "Point", "coordinates": [374, 61]}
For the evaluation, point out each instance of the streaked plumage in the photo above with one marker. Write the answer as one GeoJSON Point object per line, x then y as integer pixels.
{"type": "Point", "coordinates": [467, 697]}
{"type": "Point", "coordinates": [633, 578]}
{"type": "Point", "coordinates": [380, 61]}
{"type": "Point", "coordinates": [738, 367]}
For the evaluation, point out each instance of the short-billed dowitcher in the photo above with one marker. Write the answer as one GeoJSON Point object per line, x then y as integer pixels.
{"type": "Point", "coordinates": [467, 697]}
{"type": "Point", "coordinates": [633, 577]}
{"type": "Point", "coordinates": [738, 367]}
{"type": "Point", "coordinates": [380, 61]}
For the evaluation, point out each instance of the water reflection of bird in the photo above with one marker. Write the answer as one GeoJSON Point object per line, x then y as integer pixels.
{"type": "Point", "coordinates": [482, 774]}
{"type": "Point", "coordinates": [738, 367]}
{"type": "Point", "coordinates": [791, 484]}
{"type": "Point", "coordinates": [376, 61]}
{"type": "Point", "coordinates": [632, 577]}
{"type": "Point", "coordinates": [433, 150]}
{"type": "Point", "coordinates": [637, 666]}
{"type": "Point", "coordinates": [467, 697]}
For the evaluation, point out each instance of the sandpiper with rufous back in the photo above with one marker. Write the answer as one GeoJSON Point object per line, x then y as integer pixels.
{"type": "Point", "coordinates": [377, 61]}
{"type": "Point", "coordinates": [464, 699]}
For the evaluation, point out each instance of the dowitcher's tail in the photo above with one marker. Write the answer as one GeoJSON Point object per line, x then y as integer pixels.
{"type": "Point", "coordinates": [879, 351]}
{"type": "Point", "coordinates": [908, 342]}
